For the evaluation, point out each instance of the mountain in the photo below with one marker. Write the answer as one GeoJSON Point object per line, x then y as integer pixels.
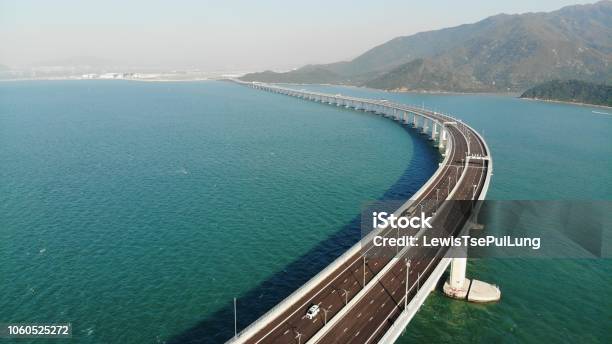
{"type": "Point", "coordinates": [499, 53]}
{"type": "Point", "coordinates": [572, 91]}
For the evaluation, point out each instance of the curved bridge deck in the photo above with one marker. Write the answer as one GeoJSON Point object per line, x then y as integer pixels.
{"type": "Point", "coordinates": [362, 295]}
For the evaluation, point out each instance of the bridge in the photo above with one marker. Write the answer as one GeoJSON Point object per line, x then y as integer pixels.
{"type": "Point", "coordinates": [367, 295]}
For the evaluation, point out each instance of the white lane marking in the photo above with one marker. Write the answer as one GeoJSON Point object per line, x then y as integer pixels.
{"type": "Point", "coordinates": [430, 191]}
{"type": "Point", "coordinates": [400, 301]}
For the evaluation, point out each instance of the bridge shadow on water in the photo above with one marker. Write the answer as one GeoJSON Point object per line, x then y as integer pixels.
{"type": "Point", "coordinates": [218, 327]}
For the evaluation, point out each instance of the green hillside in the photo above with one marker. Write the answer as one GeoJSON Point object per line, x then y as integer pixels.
{"type": "Point", "coordinates": [499, 53]}
{"type": "Point", "coordinates": [572, 91]}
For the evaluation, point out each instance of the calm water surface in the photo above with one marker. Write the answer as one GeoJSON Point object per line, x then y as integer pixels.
{"type": "Point", "coordinates": [542, 151]}
{"type": "Point", "coordinates": [137, 211]}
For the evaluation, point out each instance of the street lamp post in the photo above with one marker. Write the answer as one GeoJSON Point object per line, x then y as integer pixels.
{"type": "Point", "coordinates": [345, 296]}
{"type": "Point", "coordinates": [397, 246]}
{"type": "Point", "coordinates": [325, 316]}
{"type": "Point", "coordinates": [406, 292]}
{"type": "Point", "coordinates": [473, 196]}
{"type": "Point", "coordinates": [456, 175]}
{"type": "Point", "coordinates": [235, 320]}
{"type": "Point", "coordinates": [364, 270]}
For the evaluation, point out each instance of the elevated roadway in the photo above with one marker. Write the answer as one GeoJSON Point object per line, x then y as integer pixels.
{"type": "Point", "coordinates": [363, 294]}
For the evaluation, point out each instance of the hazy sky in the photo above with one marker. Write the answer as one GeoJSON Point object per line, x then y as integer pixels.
{"type": "Point", "coordinates": [226, 34]}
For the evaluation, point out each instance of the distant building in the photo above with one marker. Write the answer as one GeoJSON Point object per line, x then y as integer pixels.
{"type": "Point", "coordinates": [111, 76]}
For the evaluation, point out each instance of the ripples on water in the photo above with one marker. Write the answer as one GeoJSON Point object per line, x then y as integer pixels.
{"type": "Point", "coordinates": [543, 151]}
{"type": "Point", "coordinates": [137, 211]}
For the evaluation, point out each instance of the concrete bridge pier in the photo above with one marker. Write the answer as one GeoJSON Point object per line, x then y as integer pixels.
{"type": "Point", "coordinates": [459, 287]}
{"type": "Point", "coordinates": [442, 139]}
{"type": "Point", "coordinates": [425, 126]}
{"type": "Point", "coordinates": [434, 130]}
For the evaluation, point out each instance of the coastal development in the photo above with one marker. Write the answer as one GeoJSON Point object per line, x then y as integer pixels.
{"type": "Point", "coordinates": [366, 296]}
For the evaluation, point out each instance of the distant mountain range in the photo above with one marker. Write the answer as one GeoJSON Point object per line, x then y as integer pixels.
{"type": "Point", "coordinates": [499, 53]}
{"type": "Point", "coordinates": [572, 91]}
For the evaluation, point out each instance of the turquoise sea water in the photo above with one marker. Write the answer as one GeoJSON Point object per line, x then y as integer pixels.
{"type": "Point", "coordinates": [137, 211]}
{"type": "Point", "coordinates": [541, 151]}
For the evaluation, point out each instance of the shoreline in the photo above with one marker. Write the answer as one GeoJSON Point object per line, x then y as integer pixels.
{"type": "Point", "coordinates": [118, 79]}
{"type": "Point", "coordinates": [514, 94]}
{"type": "Point", "coordinates": [566, 102]}
{"type": "Point", "coordinates": [509, 94]}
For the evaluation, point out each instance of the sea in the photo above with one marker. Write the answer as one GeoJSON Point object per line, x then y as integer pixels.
{"type": "Point", "coordinates": [139, 211]}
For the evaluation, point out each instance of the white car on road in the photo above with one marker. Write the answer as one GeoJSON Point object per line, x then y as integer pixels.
{"type": "Point", "coordinates": [312, 311]}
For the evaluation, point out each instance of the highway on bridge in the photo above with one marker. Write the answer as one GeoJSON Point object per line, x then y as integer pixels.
{"type": "Point", "coordinates": [356, 309]}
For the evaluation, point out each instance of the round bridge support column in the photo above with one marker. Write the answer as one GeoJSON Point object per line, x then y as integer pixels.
{"type": "Point", "coordinates": [459, 287]}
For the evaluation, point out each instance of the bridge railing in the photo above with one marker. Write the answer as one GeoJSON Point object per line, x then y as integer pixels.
{"type": "Point", "coordinates": [299, 293]}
